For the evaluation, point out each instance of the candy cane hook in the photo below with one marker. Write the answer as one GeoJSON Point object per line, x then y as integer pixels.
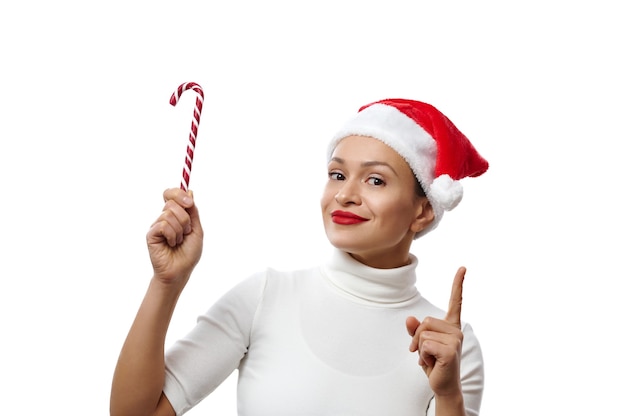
{"type": "Point", "coordinates": [195, 122]}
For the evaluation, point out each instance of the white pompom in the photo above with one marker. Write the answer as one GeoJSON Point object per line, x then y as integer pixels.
{"type": "Point", "coordinates": [446, 192]}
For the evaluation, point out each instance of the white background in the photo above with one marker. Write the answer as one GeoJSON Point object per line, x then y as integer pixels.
{"type": "Point", "coordinates": [88, 142]}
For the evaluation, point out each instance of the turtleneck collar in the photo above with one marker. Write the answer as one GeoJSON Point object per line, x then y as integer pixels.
{"type": "Point", "coordinates": [370, 285]}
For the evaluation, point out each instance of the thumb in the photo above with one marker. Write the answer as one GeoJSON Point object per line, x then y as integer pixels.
{"type": "Point", "coordinates": [194, 215]}
{"type": "Point", "coordinates": [412, 323]}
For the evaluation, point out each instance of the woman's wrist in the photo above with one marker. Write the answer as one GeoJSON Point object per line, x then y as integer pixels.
{"type": "Point", "coordinates": [450, 404]}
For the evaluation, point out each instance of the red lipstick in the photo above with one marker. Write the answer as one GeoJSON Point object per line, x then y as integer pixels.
{"type": "Point", "coordinates": [346, 218]}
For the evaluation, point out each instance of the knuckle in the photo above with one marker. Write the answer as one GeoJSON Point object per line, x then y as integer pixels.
{"type": "Point", "coordinates": [428, 321]}
{"type": "Point", "coordinates": [426, 345]}
{"type": "Point", "coordinates": [170, 205]}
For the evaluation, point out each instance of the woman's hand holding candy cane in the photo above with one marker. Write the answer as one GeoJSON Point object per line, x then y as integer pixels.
{"type": "Point", "coordinates": [175, 239]}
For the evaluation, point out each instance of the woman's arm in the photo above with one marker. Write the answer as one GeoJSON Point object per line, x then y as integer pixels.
{"type": "Point", "coordinates": [439, 344]}
{"type": "Point", "coordinates": [175, 246]}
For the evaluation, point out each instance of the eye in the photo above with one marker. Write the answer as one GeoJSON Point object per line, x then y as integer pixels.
{"type": "Point", "coordinates": [376, 181]}
{"type": "Point", "coordinates": [337, 176]}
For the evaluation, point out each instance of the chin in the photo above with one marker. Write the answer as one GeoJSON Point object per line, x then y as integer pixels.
{"type": "Point", "coordinates": [345, 243]}
{"type": "Point", "coordinates": [351, 239]}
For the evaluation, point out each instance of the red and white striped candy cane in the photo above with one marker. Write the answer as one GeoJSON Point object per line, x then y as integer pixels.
{"type": "Point", "coordinates": [195, 122]}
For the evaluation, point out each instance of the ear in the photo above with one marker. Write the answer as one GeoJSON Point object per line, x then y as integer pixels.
{"type": "Point", "coordinates": [424, 215]}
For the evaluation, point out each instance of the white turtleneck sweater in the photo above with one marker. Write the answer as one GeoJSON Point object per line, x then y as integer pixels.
{"type": "Point", "coordinates": [326, 341]}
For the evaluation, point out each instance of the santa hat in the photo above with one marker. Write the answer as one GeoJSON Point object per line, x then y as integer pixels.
{"type": "Point", "coordinates": [437, 152]}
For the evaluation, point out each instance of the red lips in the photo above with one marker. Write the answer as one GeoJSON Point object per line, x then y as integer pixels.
{"type": "Point", "coordinates": [346, 218]}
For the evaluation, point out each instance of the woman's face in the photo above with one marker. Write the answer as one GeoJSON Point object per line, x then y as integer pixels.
{"type": "Point", "coordinates": [369, 205]}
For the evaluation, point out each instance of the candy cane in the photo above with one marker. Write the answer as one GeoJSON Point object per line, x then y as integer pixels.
{"type": "Point", "coordinates": [195, 122]}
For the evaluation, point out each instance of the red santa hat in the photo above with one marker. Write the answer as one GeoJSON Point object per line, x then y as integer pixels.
{"type": "Point", "coordinates": [437, 152]}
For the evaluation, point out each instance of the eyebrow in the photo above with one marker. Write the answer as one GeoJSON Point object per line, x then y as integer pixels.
{"type": "Point", "coordinates": [366, 164]}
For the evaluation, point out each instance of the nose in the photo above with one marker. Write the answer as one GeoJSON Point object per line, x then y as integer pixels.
{"type": "Point", "coordinates": [348, 193]}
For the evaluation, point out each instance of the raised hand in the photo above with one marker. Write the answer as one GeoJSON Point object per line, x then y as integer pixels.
{"type": "Point", "coordinates": [175, 238]}
{"type": "Point", "coordinates": [439, 342]}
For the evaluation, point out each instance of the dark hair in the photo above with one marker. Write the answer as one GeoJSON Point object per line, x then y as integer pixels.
{"type": "Point", "coordinates": [419, 191]}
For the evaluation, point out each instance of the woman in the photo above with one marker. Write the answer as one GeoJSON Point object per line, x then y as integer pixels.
{"type": "Point", "coordinates": [330, 340]}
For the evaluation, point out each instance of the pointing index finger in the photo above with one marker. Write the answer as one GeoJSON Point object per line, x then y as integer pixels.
{"type": "Point", "coordinates": [456, 298]}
